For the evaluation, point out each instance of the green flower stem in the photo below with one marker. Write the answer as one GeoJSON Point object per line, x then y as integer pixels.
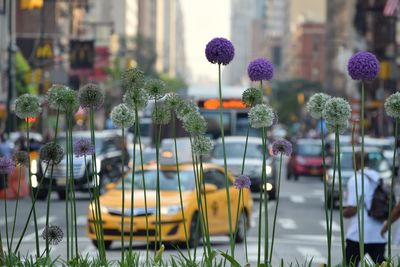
{"type": "Point", "coordinates": [6, 214]}
{"type": "Point", "coordinates": [31, 189]}
{"type": "Point", "coordinates": [50, 188]}
{"type": "Point", "coordinates": [99, 220]}
{"type": "Point", "coordinates": [179, 186]}
{"type": "Point", "coordinates": [259, 220]}
{"type": "Point", "coordinates": [341, 199]}
{"type": "Point", "coordinates": [238, 213]}
{"type": "Point", "coordinates": [67, 192]}
{"type": "Point", "coordinates": [144, 186]}
{"type": "Point", "coordinates": [205, 206]}
{"type": "Point", "coordinates": [2, 258]}
{"type": "Point", "coordinates": [266, 231]}
{"type": "Point", "coordinates": [30, 213]}
{"type": "Point", "coordinates": [71, 155]}
{"type": "Point", "coordinates": [158, 200]}
{"type": "Point", "coordinates": [391, 192]}
{"type": "Point", "coordinates": [276, 209]}
{"type": "Point", "coordinates": [245, 149]}
{"type": "Point", "coordinates": [132, 190]}
{"type": "Point", "coordinates": [333, 189]}
{"type": "Point", "coordinates": [328, 229]}
{"type": "Point", "coordinates": [16, 207]}
{"type": "Point", "coordinates": [356, 182]}
{"type": "Point", "coordinates": [245, 225]}
{"type": "Point", "coordinates": [362, 173]}
{"type": "Point", "coordinates": [227, 184]}
{"type": "Point", "coordinates": [123, 201]}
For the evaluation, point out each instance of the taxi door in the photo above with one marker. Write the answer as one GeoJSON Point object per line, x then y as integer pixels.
{"type": "Point", "coordinates": [217, 202]}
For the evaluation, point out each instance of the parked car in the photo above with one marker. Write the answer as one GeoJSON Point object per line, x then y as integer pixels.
{"type": "Point", "coordinates": [234, 147]}
{"type": "Point", "coordinates": [387, 147]}
{"type": "Point", "coordinates": [171, 213]}
{"type": "Point", "coordinates": [377, 162]}
{"type": "Point", "coordinates": [109, 149]}
{"type": "Point", "coordinates": [148, 154]}
{"type": "Point", "coordinates": [306, 159]}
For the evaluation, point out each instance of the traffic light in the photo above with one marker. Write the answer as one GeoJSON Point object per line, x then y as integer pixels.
{"type": "Point", "coordinates": [31, 4]}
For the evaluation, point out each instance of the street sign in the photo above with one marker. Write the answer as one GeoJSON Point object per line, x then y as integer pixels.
{"type": "Point", "coordinates": [81, 54]}
{"type": "Point", "coordinates": [44, 52]}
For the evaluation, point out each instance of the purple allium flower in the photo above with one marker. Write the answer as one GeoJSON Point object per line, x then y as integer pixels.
{"type": "Point", "coordinates": [260, 69]}
{"type": "Point", "coordinates": [83, 147]}
{"type": "Point", "coordinates": [53, 234]}
{"type": "Point", "coordinates": [282, 146]}
{"type": "Point", "coordinates": [220, 50]}
{"type": "Point", "coordinates": [242, 181]}
{"type": "Point", "coordinates": [6, 165]}
{"type": "Point", "coordinates": [363, 66]}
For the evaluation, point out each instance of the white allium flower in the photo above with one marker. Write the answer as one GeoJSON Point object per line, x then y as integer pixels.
{"type": "Point", "coordinates": [155, 88]}
{"type": "Point", "coordinates": [136, 99]}
{"type": "Point", "coordinates": [122, 116]}
{"type": "Point", "coordinates": [261, 116]}
{"type": "Point", "coordinates": [173, 101]}
{"type": "Point", "coordinates": [161, 114]}
{"type": "Point", "coordinates": [316, 103]}
{"type": "Point", "coordinates": [202, 145]}
{"type": "Point", "coordinates": [26, 106]}
{"type": "Point", "coordinates": [184, 108]}
{"type": "Point", "coordinates": [392, 105]}
{"type": "Point", "coordinates": [336, 111]}
{"type": "Point", "coordinates": [342, 127]}
{"type": "Point", "coordinates": [194, 123]}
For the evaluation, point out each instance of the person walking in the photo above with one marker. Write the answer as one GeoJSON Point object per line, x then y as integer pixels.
{"type": "Point", "coordinates": [5, 147]}
{"type": "Point", "coordinates": [374, 242]}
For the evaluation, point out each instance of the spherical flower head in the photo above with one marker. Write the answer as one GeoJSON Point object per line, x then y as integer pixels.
{"type": "Point", "coordinates": [91, 96]}
{"type": "Point", "coordinates": [122, 116]}
{"type": "Point", "coordinates": [336, 110]}
{"type": "Point", "coordinates": [261, 116]}
{"type": "Point", "coordinates": [83, 147]}
{"type": "Point", "coordinates": [316, 103]}
{"type": "Point", "coordinates": [363, 66]}
{"type": "Point", "coordinates": [51, 153]}
{"type": "Point", "coordinates": [342, 127]}
{"type": "Point", "coordinates": [282, 146]}
{"type": "Point", "coordinates": [184, 108]}
{"type": "Point", "coordinates": [52, 234]}
{"type": "Point", "coordinates": [194, 123]}
{"type": "Point", "coordinates": [252, 97]}
{"type": "Point", "coordinates": [70, 102]}
{"type": "Point", "coordinates": [173, 101]}
{"type": "Point", "coordinates": [132, 79]}
{"type": "Point", "coordinates": [136, 99]}
{"type": "Point", "coordinates": [26, 106]}
{"type": "Point", "coordinates": [392, 105]}
{"type": "Point", "coordinates": [6, 165]}
{"type": "Point", "coordinates": [156, 88]}
{"type": "Point", "coordinates": [21, 158]}
{"type": "Point", "coordinates": [55, 95]}
{"type": "Point", "coordinates": [161, 114]}
{"type": "Point", "coordinates": [260, 69]}
{"type": "Point", "coordinates": [242, 181]}
{"type": "Point", "coordinates": [202, 145]}
{"type": "Point", "coordinates": [220, 50]}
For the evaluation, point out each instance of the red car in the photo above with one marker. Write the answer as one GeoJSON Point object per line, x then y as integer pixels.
{"type": "Point", "coordinates": [306, 159]}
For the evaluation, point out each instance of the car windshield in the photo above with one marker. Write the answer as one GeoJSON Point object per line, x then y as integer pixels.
{"type": "Point", "coordinates": [148, 156]}
{"type": "Point", "coordinates": [168, 180]}
{"type": "Point", "coordinates": [309, 150]}
{"type": "Point", "coordinates": [99, 142]}
{"type": "Point", "coordinates": [376, 161]}
{"type": "Point", "coordinates": [236, 150]}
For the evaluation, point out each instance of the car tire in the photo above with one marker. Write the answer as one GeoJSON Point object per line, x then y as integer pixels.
{"type": "Point", "coordinates": [61, 194]}
{"type": "Point", "coordinates": [40, 194]}
{"type": "Point", "coordinates": [193, 241]}
{"type": "Point", "coordinates": [107, 244]}
{"type": "Point", "coordinates": [272, 194]}
{"type": "Point", "coordinates": [241, 228]}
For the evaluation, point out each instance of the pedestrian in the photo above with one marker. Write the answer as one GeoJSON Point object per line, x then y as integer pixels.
{"type": "Point", "coordinates": [5, 147]}
{"type": "Point", "coordinates": [374, 242]}
{"type": "Point", "coordinates": [395, 215]}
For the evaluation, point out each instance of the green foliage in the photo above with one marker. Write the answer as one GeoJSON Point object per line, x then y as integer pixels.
{"type": "Point", "coordinates": [173, 84]}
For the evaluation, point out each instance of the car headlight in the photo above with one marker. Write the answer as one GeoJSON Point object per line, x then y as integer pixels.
{"type": "Point", "coordinates": [169, 210]}
{"type": "Point", "coordinates": [268, 186]}
{"type": "Point", "coordinates": [98, 165]}
{"type": "Point", "coordinates": [34, 166]}
{"type": "Point", "coordinates": [268, 170]}
{"type": "Point", "coordinates": [103, 209]}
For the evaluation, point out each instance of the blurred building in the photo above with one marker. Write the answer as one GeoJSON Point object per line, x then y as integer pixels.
{"type": "Point", "coordinates": [309, 52]}
{"type": "Point", "coordinates": [248, 20]}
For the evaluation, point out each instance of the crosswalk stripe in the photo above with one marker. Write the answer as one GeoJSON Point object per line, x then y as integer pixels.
{"type": "Point", "coordinates": [311, 253]}
{"type": "Point", "coordinates": [42, 220]}
{"type": "Point", "coordinates": [3, 221]}
{"type": "Point", "coordinates": [287, 223]}
{"type": "Point", "coordinates": [335, 226]}
{"type": "Point", "coordinates": [297, 199]}
{"type": "Point", "coordinates": [81, 220]}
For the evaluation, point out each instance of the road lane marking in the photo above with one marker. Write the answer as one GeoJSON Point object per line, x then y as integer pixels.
{"type": "Point", "coordinates": [287, 223]}
{"type": "Point", "coordinates": [9, 220]}
{"type": "Point", "coordinates": [42, 220]}
{"type": "Point", "coordinates": [81, 220]}
{"type": "Point", "coordinates": [335, 226]}
{"type": "Point", "coordinates": [297, 199]}
{"type": "Point", "coordinates": [311, 253]}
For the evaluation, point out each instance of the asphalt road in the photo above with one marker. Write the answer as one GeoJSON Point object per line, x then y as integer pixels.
{"type": "Point", "coordinates": [300, 232]}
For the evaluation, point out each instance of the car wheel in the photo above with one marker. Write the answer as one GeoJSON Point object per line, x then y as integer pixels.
{"type": "Point", "coordinates": [241, 227]}
{"type": "Point", "coordinates": [61, 195]}
{"type": "Point", "coordinates": [107, 244]}
{"type": "Point", "coordinates": [272, 194]}
{"type": "Point", "coordinates": [39, 193]}
{"type": "Point", "coordinates": [194, 239]}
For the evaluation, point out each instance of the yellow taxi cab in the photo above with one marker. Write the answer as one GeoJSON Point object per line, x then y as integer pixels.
{"type": "Point", "coordinates": [172, 229]}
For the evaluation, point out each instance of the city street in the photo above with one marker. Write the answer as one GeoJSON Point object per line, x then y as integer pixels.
{"type": "Point", "coordinates": [300, 232]}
